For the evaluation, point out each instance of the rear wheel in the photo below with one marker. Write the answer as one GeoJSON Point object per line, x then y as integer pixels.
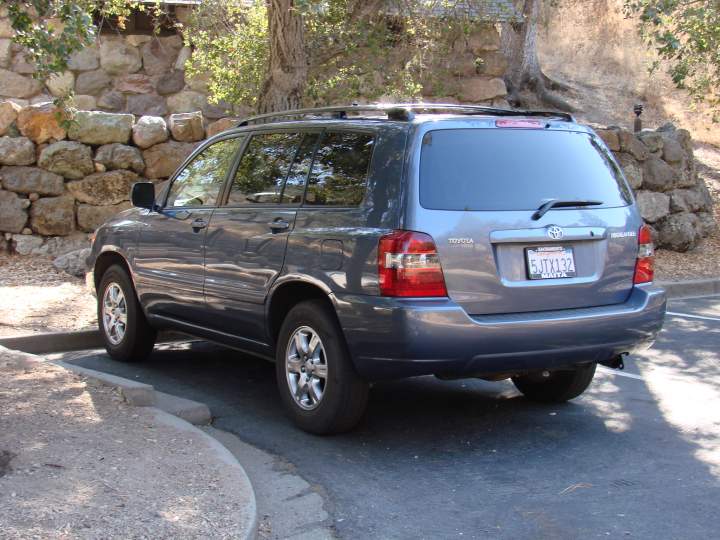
{"type": "Point", "coordinates": [320, 389]}
{"type": "Point", "coordinates": [126, 332]}
{"type": "Point", "coordinates": [556, 386]}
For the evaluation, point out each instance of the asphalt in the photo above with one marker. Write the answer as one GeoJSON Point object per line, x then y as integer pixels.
{"type": "Point", "coordinates": [638, 456]}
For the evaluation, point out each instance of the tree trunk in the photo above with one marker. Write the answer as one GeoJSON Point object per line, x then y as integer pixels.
{"type": "Point", "coordinates": [519, 43]}
{"type": "Point", "coordinates": [284, 85]}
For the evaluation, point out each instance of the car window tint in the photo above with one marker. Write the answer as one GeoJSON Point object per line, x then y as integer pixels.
{"type": "Point", "coordinates": [295, 183]}
{"type": "Point", "coordinates": [263, 168]}
{"type": "Point", "coordinates": [199, 184]}
{"type": "Point", "coordinates": [339, 172]}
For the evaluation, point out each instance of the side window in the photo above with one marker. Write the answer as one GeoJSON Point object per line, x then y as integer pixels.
{"type": "Point", "coordinates": [339, 173]}
{"type": "Point", "coordinates": [295, 183]}
{"type": "Point", "coordinates": [199, 184]}
{"type": "Point", "coordinates": [263, 168]}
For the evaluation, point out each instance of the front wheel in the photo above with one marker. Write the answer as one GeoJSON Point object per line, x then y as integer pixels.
{"type": "Point", "coordinates": [320, 389]}
{"type": "Point", "coordinates": [126, 332]}
{"type": "Point", "coordinates": [556, 386]}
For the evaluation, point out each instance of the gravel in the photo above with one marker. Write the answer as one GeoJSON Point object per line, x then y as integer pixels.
{"type": "Point", "coordinates": [81, 463]}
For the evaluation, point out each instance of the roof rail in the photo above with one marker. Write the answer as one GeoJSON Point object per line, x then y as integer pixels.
{"type": "Point", "coordinates": [402, 111]}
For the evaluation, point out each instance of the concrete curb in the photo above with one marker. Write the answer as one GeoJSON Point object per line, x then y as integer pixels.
{"type": "Point", "coordinates": [691, 288]}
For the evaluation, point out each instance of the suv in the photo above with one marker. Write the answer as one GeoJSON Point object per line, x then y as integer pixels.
{"type": "Point", "coordinates": [352, 244]}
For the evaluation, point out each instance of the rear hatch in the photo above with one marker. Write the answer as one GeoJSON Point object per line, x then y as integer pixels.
{"type": "Point", "coordinates": [480, 190]}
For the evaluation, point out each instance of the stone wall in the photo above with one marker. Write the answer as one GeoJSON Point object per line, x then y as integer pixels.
{"type": "Point", "coordinates": [660, 167]}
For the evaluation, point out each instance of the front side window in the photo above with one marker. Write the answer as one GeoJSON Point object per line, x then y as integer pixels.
{"type": "Point", "coordinates": [263, 168]}
{"type": "Point", "coordinates": [340, 170]}
{"type": "Point", "coordinates": [199, 184]}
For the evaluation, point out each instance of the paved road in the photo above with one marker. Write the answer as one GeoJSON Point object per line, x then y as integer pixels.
{"type": "Point", "coordinates": [638, 456]}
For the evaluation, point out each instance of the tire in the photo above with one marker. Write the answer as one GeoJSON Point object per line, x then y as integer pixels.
{"type": "Point", "coordinates": [136, 341]}
{"type": "Point", "coordinates": [342, 393]}
{"type": "Point", "coordinates": [558, 387]}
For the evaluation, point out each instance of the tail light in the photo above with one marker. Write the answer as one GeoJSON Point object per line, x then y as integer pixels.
{"type": "Point", "coordinates": [645, 264]}
{"type": "Point", "coordinates": [408, 265]}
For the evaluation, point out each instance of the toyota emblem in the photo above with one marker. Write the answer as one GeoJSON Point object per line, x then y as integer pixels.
{"type": "Point", "coordinates": [555, 232]}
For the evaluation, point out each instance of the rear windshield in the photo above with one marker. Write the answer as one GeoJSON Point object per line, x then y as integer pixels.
{"type": "Point", "coordinates": [515, 169]}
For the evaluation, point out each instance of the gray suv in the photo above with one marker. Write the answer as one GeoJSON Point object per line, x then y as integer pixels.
{"type": "Point", "coordinates": [353, 244]}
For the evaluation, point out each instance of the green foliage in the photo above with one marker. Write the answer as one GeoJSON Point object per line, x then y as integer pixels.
{"type": "Point", "coordinates": [686, 36]}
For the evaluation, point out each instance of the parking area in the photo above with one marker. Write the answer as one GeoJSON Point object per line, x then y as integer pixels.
{"type": "Point", "coordinates": [637, 456]}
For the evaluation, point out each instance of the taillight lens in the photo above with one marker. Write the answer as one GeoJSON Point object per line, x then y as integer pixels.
{"type": "Point", "coordinates": [645, 264]}
{"type": "Point", "coordinates": [408, 265]}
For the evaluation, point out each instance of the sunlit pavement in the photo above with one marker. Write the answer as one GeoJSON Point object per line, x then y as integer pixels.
{"type": "Point", "coordinates": [637, 456]}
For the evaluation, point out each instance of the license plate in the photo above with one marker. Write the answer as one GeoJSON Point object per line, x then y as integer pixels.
{"type": "Point", "coordinates": [550, 262]}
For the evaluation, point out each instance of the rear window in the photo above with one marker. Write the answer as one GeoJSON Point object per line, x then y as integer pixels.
{"type": "Point", "coordinates": [515, 169]}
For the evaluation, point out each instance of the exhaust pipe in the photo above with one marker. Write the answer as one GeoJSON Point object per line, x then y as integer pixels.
{"type": "Point", "coordinates": [616, 362]}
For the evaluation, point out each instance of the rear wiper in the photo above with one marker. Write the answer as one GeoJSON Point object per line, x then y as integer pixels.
{"type": "Point", "coordinates": [557, 203]}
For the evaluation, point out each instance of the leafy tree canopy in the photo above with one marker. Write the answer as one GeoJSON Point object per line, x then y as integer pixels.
{"type": "Point", "coordinates": [686, 36]}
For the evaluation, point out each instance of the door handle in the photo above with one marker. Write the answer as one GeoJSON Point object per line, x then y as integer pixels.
{"type": "Point", "coordinates": [279, 225]}
{"type": "Point", "coordinates": [199, 223]}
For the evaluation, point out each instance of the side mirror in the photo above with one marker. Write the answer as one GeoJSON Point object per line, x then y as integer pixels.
{"type": "Point", "coordinates": [143, 195]}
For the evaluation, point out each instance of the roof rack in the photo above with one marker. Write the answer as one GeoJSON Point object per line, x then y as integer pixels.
{"type": "Point", "coordinates": [401, 111]}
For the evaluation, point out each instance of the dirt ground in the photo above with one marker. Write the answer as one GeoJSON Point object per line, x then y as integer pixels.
{"type": "Point", "coordinates": [76, 461]}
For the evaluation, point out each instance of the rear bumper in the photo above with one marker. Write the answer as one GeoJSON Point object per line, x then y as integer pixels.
{"type": "Point", "coordinates": [392, 337]}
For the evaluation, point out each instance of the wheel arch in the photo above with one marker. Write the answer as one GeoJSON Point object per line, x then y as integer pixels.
{"type": "Point", "coordinates": [104, 261]}
{"type": "Point", "coordinates": [288, 294]}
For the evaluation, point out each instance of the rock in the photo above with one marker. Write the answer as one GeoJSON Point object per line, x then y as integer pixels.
{"type": "Point", "coordinates": [149, 130]}
{"type": "Point", "coordinates": [135, 40]}
{"type": "Point", "coordinates": [146, 104]}
{"type": "Point", "coordinates": [22, 63]}
{"type": "Point", "coordinates": [31, 180]}
{"type": "Point", "coordinates": [686, 200]}
{"type": "Point", "coordinates": [163, 159]}
{"type": "Point", "coordinates": [59, 245]}
{"type": "Point", "coordinates": [85, 59]}
{"type": "Point", "coordinates": [27, 245]}
{"type": "Point", "coordinates": [91, 217]}
{"type": "Point", "coordinates": [704, 198]}
{"type": "Point", "coordinates": [99, 167]}
{"type": "Point", "coordinates": [159, 56]}
{"type": "Point", "coordinates": [199, 82]}
{"type": "Point", "coordinates": [33, 197]}
{"type": "Point", "coordinates": [685, 139]}
{"type": "Point", "coordinates": [667, 127]}
{"type": "Point", "coordinates": [95, 127]}
{"type": "Point", "coordinates": [112, 101]}
{"type": "Point", "coordinates": [610, 137]}
{"type": "Point", "coordinates": [8, 114]}
{"type": "Point", "coordinates": [74, 263]}
{"type": "Point", "coordinates": [187, 101]}
{"type": "Point", "coordinates": [6, 30]}
{"type": "Point", "coordinates": [183, 56]}
{"type": "Point", "coordinates": [18, 86]}
{"type": "Point", "coordinates": [120, 156]}
{"type": "Point", "coordinates": [103, 189]}
{"type": "Point", "coordinates": [632, 169]}
{"type": "Point", "coordinates": [679, 232]}
{"type": "Point", "coordinates": [70, 159]}
{"type": "Point", "coordinates": [16, 151]}
{"type": "Point", "coordinates": [135, 84]}
{"type": "Point", "coordinates": [84, 103]}
{"type": "Point", "coordinates": [5, 52]}
{"type": "Point", "coordinates": [40, 123]}
{"type": "Point", "coordinates": [170, 83]}
{"type": "Point", "coordinates": [653, 206]}
{"type": "Point", "coordinates": [672, 150]}
{"type": "Point", "coordinates": [481, 89]}
{"type": "Point", "coordinates": [61, 84]}
{"type": "Point", "coordinates": [631, 144]}
{"type": "Point", "coordinates": [708, 225]}
{"type": "Point", "coordinates": [12, 215]}
{"type": "Point", "coordinates": [92, 82]}
{"type": "Point", "coordinates": [485, 38]}
{"type": "Point", "coordinates": [652, 140]}
{"type": "Point", "coordinates": [658, 175]}
{"type": "Point", "coordinates": [494, 64]}
{"type": "Point", "coordinates": [221, 125]}
{"type": "Point", "coordinates": [187, 127]}
{"type": "Point", "coordinates": [218, 110]}
{"type": "Point", "coordinates": [117, 57]}
{"type": "Point", "coordinates": [53, 216]}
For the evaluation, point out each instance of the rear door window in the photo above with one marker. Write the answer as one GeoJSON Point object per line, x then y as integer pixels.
{"type": "Point", "coordinates": [263, 168]}
{"type": "Point", "coordinates": [515, 169]}
{"type": "Point", "coordinates": [339, 172]}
